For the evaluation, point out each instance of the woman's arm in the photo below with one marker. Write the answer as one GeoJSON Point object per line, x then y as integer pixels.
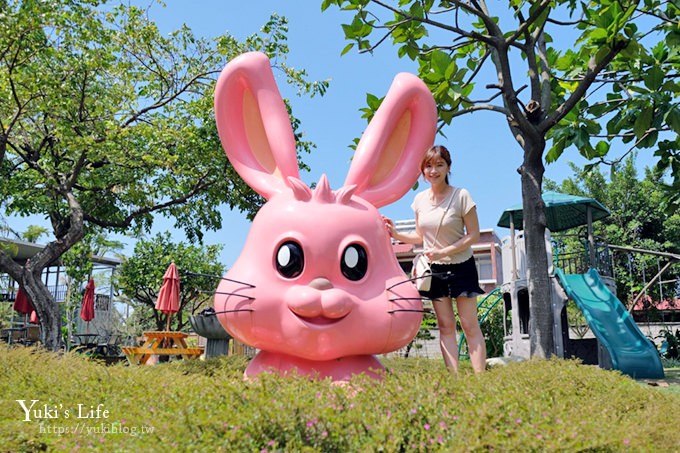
{"type": "Point", "coordinates": [407, 238]}
{"type": "Point", "coordinates": [471, 237]}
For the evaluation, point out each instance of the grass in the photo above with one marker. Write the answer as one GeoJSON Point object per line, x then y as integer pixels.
{"type": "Point", "coordinates": [538, 405]}
{"type": "Point", "coordinates": [672, 375]}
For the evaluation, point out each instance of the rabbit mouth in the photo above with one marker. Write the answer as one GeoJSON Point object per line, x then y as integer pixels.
{"type": "Point", "coordinates": [319, 320]}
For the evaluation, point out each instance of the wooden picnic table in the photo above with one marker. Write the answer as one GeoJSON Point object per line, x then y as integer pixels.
{"type": "Point", "coordinates": [161, 343]}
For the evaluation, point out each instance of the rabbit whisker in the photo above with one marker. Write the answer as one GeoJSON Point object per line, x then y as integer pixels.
{"type": "Point", "coordinates": [228, 294]}
{"type": "Point", "coordinates": [404, 309]}
{"type": "Point", "coordinates": [408, 298]}
{"type": "Point", "coordinates": [217, 276]}
{"type": "Point", "coordinates": [402, 282]}
{"type": "Point", "coordinates": [228, 311]}
{"type": "Point", "coordinates": [413, 279]}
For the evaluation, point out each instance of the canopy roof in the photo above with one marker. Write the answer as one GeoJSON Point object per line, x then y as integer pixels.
{"type": "Point", "coordinates": [23, 250]}
{"type": "Point", "coordinates": [562, 212]}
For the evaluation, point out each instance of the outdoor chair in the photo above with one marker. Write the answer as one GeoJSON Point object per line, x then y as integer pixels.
{"type": "Point", "coordinates": [110, 347]}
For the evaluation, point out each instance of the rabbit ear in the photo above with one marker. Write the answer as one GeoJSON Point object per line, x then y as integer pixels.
{"type": "Point", "coordinates": [387, 159]}
{"type": "Point", "coordinates": [253, 124]}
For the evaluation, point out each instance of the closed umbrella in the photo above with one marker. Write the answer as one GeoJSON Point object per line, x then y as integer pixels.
{"type": "Point", "coordinates": [168, 298]}
{"type": "Point", "coordinates": [34, 318]}
{"type": "Point", "coordinates": [21, 303]}
{"type": "Point", "coordinates": [87, 306]}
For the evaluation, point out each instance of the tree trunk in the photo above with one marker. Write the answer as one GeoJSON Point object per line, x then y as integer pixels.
{"type": "Point", "coordinates": [29, 276]}
{"type": "Point", "coordinates": [540, 308]}
{"type": "Point", "coordinates": [46, 308]}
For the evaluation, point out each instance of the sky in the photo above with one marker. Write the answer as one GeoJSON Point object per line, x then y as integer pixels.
{"type": "Point", "coordinates": [485, 155]}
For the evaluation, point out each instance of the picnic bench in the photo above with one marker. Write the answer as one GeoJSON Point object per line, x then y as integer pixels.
{"type": "Point", "coordinates": [161, 343]}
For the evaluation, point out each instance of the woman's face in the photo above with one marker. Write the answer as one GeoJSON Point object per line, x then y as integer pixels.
{"type": "Point", "coordinates": [435, 171]}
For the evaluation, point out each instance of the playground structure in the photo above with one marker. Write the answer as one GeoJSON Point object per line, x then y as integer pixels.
{"type": "Point", "coordinates": [618, 342]}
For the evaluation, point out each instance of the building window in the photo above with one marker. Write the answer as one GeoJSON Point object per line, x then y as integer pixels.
{"type": "Point", "coordinates": [484, 267]}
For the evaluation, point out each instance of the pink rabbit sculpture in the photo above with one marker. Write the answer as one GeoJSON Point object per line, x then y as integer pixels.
{"type": "Point", "coordinates": [317, 288]}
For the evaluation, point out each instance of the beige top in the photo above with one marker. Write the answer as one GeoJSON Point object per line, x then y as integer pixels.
{"type": "Point", "coordinates": [453, 226]}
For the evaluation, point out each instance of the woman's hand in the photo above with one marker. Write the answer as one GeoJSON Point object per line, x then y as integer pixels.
{"type": "Point", "coordinates": [389, 225]}
{"type": "Point", "coordinates": [434, 254]}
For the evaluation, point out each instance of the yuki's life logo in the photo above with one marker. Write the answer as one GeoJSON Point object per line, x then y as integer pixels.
{"type": "Point", "coordinates": [35, 411]}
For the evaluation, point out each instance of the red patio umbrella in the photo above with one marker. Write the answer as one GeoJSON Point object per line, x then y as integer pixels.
{"type": "Point", "coordinates": [87, 307]}
{"type": "Point", "coordinates": [168, 298]}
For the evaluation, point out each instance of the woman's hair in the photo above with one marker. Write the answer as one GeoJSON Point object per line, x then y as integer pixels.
{"type": "Point", "coordinates": [432, 154]}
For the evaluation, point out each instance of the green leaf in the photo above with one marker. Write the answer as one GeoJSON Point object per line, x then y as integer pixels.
{"type": "Point", "coordinates": [673, 119]}
{"type": "Point", "coordinates": [555, 152]}
{"type": "Point", "coordinates": [373, 101]}
{"type": "Point", "coordinates": [347, 48]}
{"type": "Point", "coordinates": [643, 122]}
{"type": "Point", "coordinates": [654, 78]}
{"type": "Point", "coordinates": [673, 39]}
{"type": "Point", "coordinates": [440, 61]}
{"type": "Point", "coordinates": [601, 148]}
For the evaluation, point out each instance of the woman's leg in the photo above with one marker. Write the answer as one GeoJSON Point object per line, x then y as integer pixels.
{"type": "Point", "coordinates": [467, 312]}
{"type": "Point", "coordinates": [446, 320]}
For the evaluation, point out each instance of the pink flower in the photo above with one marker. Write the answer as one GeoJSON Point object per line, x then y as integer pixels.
{"type": "Point", "coordinates": [426, 426]}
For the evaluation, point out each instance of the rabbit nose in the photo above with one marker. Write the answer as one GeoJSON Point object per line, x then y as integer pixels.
{"type": "Point", "coordinates": [321, 283]}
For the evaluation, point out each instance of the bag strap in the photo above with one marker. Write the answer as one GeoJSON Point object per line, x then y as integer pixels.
{"type": "Point", "coordinates": [436, 233]}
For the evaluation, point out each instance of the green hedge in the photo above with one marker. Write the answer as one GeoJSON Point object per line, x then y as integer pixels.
{"type": "Point", "coordinates": [207, 406]}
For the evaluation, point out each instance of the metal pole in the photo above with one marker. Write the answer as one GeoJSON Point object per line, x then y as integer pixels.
{"type": "Point", "coordinates": [515, 275]}
{"type": "Point", "coordinates": [651, 282]}
{"type": "Point", "coordinates": [591, 237]}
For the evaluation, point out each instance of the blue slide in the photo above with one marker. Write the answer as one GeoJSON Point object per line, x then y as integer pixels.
{"type": "Point", "coordinates": [631, 352]}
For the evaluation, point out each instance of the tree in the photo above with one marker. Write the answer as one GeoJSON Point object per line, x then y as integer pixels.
{"type": "Point", "coordinates": [34, 232]}
{"type": "Point", "coordinates": [557, 70]}
{"type": "Point", "coordinates": [104, 123]}
{"type": "Point", "coordinates": [141, 276]}
{"type": "Point", "coordinates": [635, 221]}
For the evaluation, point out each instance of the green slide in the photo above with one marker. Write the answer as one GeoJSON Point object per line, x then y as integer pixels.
{"type": "Point", "coordinates": [630, 351]}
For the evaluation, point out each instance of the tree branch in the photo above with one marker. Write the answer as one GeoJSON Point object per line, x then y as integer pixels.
{"type": "Point", "coordinates": [594, 69]}
{"type": "Point", "coordinates": [198, 187]}
{"type": "Point", "coordinates": [525, 24]}
{"type": "Point", "coordinates": [443, 26]}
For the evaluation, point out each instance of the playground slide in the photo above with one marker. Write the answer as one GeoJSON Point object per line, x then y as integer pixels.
{"type": "Point", "coordinates": [631, 352]}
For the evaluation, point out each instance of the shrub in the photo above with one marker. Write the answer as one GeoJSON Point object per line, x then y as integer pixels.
{"type": "Point", "coordinates": [418, 406]}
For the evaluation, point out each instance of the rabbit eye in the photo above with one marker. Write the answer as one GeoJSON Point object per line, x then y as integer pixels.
{"type": "Point", "coordinates": [354, 262]}
{"type": "Point", "coordinates": [290, 260]}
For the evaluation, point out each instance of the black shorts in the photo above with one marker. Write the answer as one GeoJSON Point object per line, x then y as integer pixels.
{"type": "Point", "coordinates": [453, 280]}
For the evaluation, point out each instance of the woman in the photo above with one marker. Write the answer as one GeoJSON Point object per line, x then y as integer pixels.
{"type": "Point", "coordinates": [447, 226]}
